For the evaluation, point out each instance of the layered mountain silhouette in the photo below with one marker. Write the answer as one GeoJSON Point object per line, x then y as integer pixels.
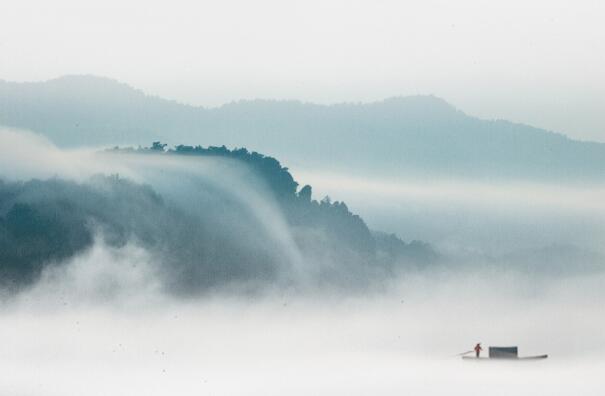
{"type": "Point", "coordinates": [404, 135]}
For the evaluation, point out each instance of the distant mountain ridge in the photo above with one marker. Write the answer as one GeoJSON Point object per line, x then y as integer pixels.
{"type": "Point", "coordinates": [416, 134]}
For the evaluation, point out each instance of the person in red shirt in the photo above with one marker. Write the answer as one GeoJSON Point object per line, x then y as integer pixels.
{"type": "Point", "coordinates": [478, 349]}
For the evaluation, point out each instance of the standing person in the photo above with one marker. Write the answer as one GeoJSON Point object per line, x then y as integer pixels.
{"type": "Point", "coordinates": [478, 349]}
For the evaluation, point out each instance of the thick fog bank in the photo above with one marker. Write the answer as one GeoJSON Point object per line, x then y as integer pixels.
{"type": "Point", "coordinates": [403, 341]}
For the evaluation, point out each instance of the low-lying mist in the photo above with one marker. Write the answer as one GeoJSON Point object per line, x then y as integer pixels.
{"type": "Point", "coordinates": [186, 274]}
{"type": "Point", "coordinates": [505, 222]}
{"type": "Point", "coordinates": [402, 341]}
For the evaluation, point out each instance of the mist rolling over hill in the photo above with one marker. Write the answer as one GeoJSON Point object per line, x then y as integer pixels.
{"type": "Point", "coordinates": [208, 218]}
{"type": "Point", "coordinates": [398, 136]}
{"type": "Point", "coordinates": [239, 216]}
{"type": "Point", "coordinates": [204, 249]}
{"type": "Point", "coordinates": [201, 257]}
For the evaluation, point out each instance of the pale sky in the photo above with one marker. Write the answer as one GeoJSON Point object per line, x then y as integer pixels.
{"type": "Point", "coordinates": [538, 62]}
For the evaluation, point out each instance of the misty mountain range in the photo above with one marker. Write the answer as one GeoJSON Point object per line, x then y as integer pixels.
{"type": "Point", "coordinates": [237, 217]}
{"type": "Point", "coordinates": [415, 135]}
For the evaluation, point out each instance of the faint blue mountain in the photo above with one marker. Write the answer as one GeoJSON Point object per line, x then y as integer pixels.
{"type": "Point", "coordinates": [403, 135]}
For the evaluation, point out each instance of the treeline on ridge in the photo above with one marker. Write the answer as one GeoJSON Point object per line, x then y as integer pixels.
{"type": "Point", "coordinates": [46, 222]}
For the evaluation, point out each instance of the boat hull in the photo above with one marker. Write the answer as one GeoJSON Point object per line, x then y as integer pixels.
{"type": "Point", "coordinates": [537, 357]}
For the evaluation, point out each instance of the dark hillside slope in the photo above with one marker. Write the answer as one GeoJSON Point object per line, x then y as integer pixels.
{"type": "Point", "coordinates": [201, 235]}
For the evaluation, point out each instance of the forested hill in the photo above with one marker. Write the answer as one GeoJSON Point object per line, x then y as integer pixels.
{"type": "Point", "coordinates": [419, 134]}
{"type": "Point", "coordinates": [251, 229]}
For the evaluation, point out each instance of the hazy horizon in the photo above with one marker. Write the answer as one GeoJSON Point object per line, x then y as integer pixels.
{"type": "Point", "coordinates": [537, 63]}
{"type": "Point", "coordinates": [599, 137]}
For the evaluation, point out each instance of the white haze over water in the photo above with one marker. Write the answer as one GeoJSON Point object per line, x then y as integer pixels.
{"type": "Point", "coordinates": [404, 341]}
{"type": "Point", "coordinates": [101, 324]}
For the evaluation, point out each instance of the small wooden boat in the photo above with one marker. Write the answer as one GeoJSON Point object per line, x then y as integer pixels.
{"type": "Point", "coordinates": [504, 353]}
